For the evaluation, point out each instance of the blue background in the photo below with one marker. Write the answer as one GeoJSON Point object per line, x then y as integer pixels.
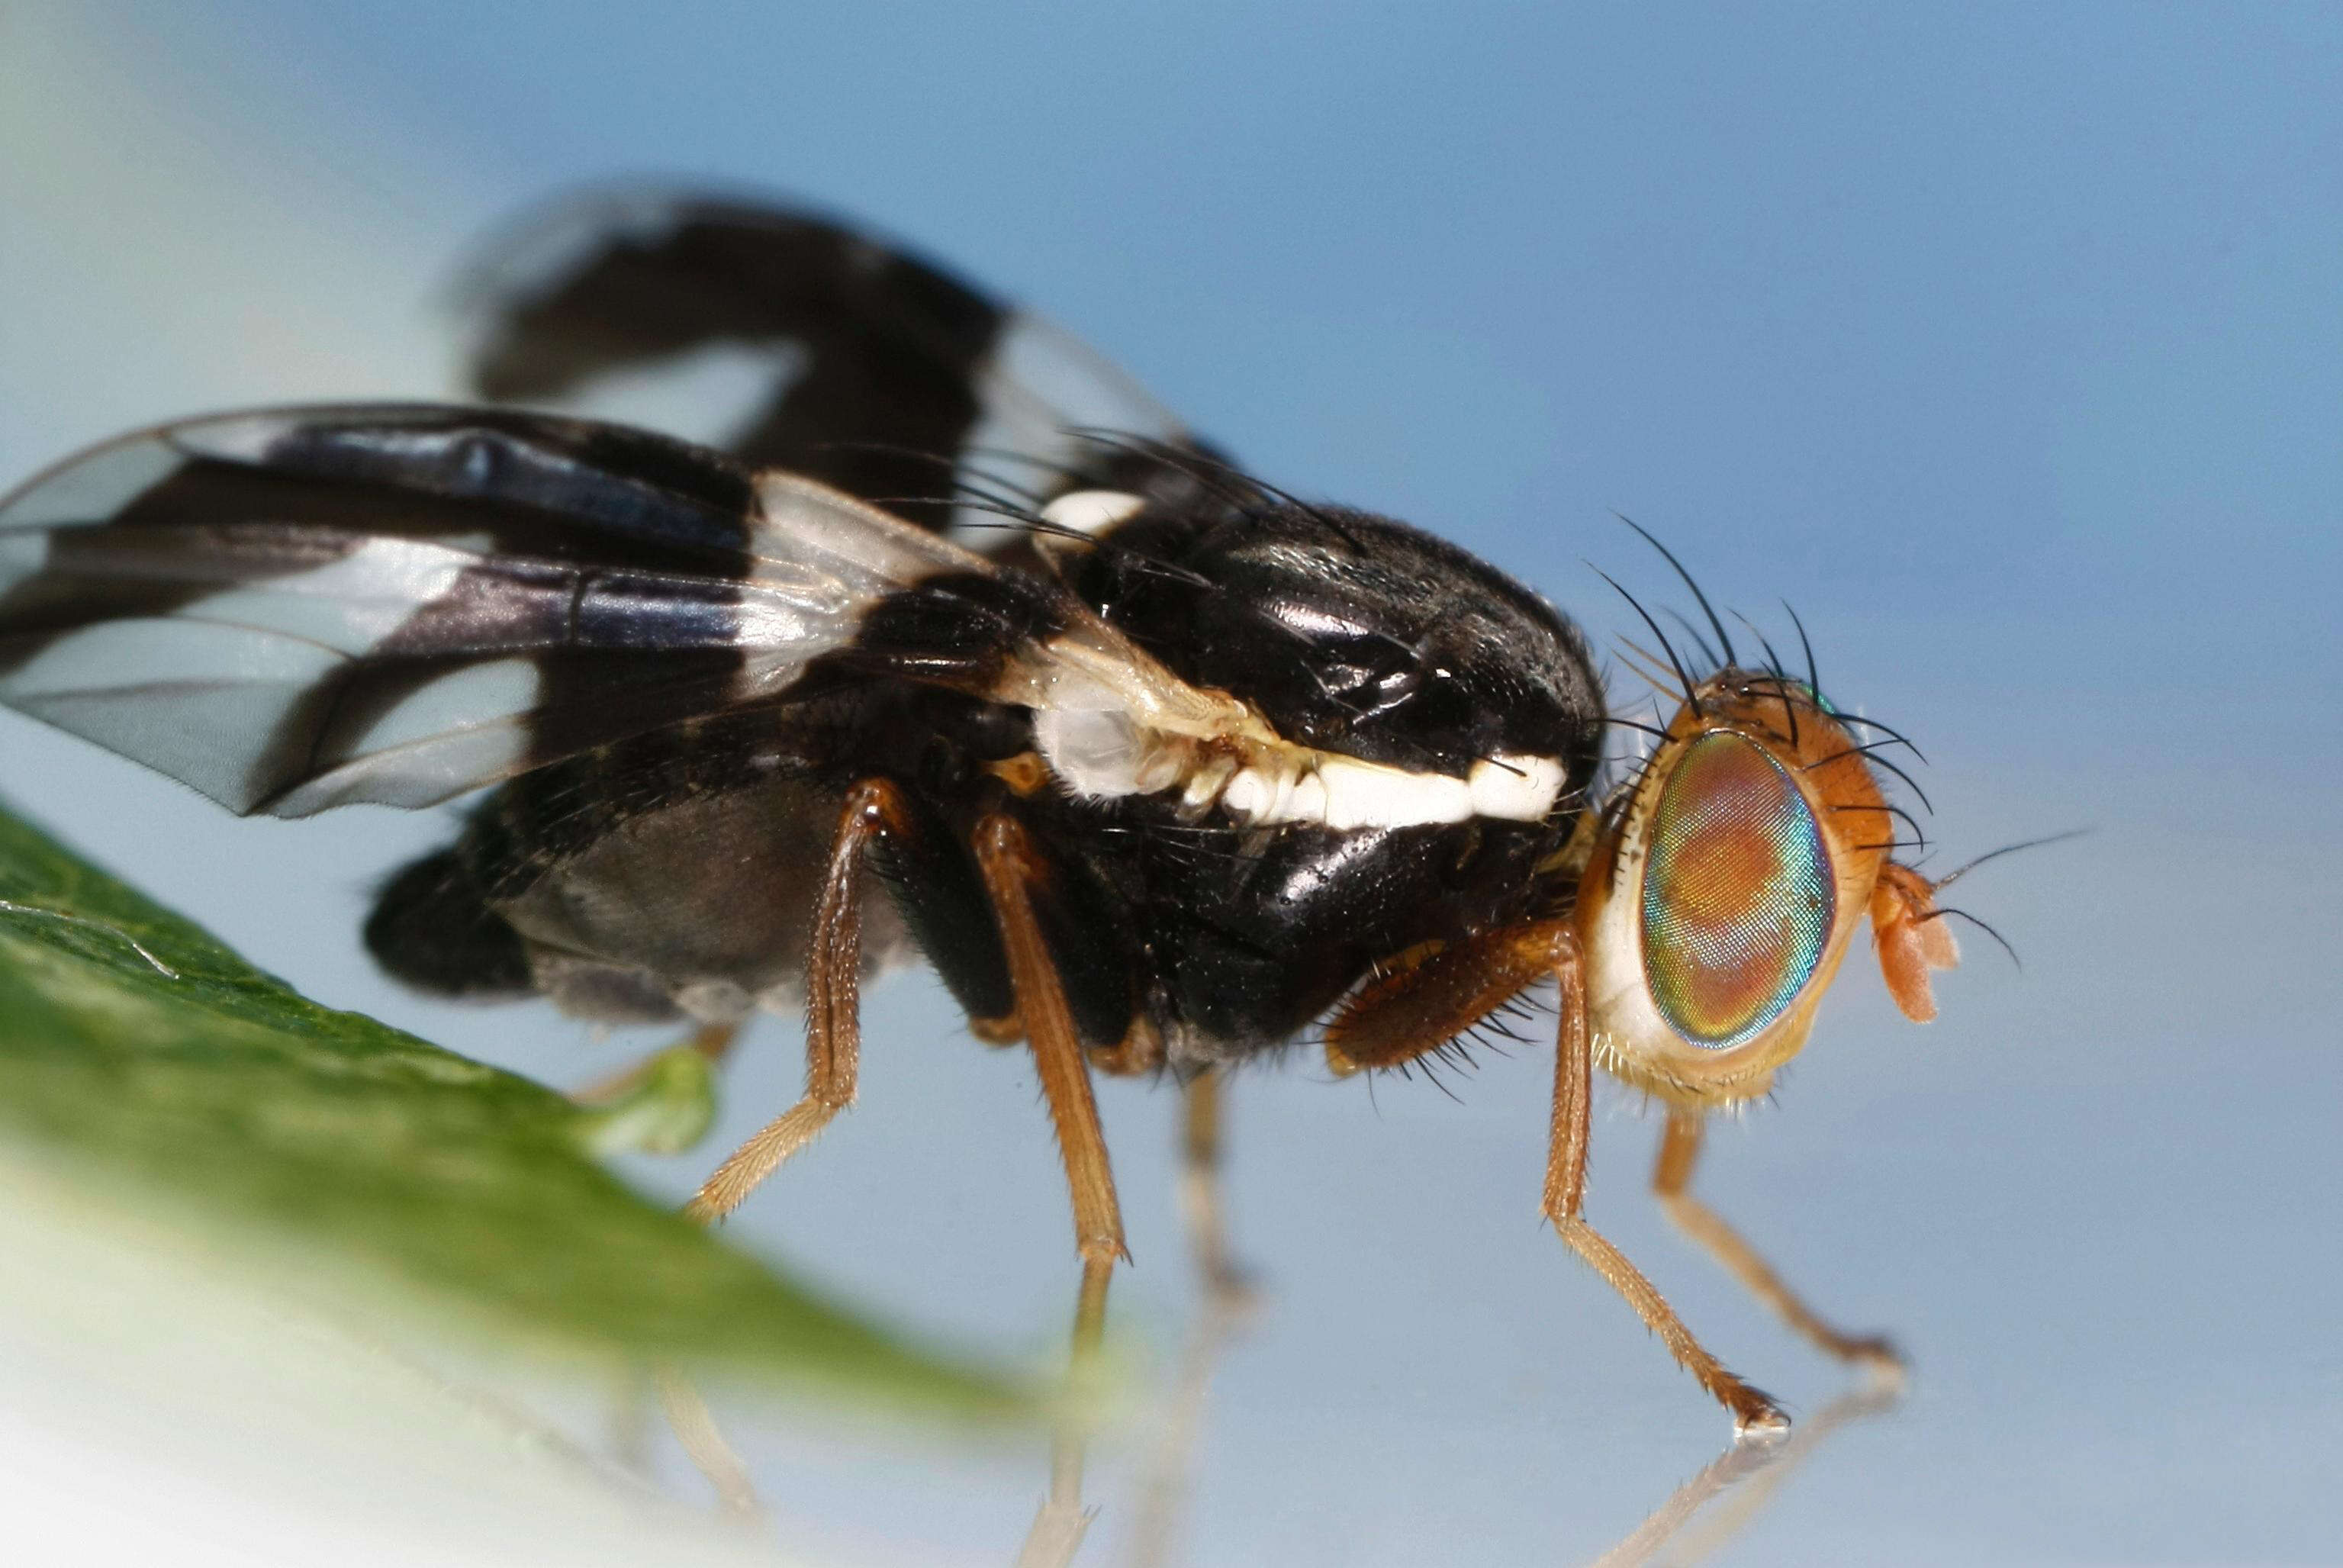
{"type": "Point", "coordinates": [2006, 342]}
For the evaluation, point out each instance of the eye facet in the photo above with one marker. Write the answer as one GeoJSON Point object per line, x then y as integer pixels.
{"type": "Point", "coordinates": [1738, 895]}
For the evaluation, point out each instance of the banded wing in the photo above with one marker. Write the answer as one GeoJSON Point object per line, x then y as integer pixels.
{"type": "Point", "coordinates": [792, 341]}
{"type": "Point", "coordinates": [300, 608]}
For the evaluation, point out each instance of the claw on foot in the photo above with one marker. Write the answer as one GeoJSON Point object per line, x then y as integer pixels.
{"type": "Point", "coordinates": [1882, 1366]}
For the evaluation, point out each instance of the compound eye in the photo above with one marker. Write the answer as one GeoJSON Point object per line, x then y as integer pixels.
{"type": "Point", "coordinates": [1738, 894]}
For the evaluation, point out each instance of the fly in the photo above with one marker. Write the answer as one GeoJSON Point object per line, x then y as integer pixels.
{"type": "Point", "coordinates": [947, 641]}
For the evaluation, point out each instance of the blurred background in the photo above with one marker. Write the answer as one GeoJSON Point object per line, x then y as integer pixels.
{"type": "Point", "coordinates": [2007, 344]}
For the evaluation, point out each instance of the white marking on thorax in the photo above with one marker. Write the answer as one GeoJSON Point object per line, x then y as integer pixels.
{"type": "Point", "coordinates": [1093, 511]}
{"type": "Point", "coordinates": [1110, 727]}
{"type": "Point", "coordinates": [1037, 385]}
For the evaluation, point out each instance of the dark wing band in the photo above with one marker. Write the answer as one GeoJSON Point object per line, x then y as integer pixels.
{"type": "Point", "coordinates": [300, 608]}
{"type": "Point", "coordinates": [792, 341]}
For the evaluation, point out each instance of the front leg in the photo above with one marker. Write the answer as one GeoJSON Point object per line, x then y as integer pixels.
{"type": "Point", "coordinates": [1565, 1196]}
{"type": "Point", "coordinates": [1672, 1184]}
{"type": "Point", "coordinates": [1422, 1003]}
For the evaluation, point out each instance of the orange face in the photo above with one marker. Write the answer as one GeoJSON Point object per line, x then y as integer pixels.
{"type": "Point", "coordinates": [1715, 912]}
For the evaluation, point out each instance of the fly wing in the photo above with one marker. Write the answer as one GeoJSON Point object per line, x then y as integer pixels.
{"type": "Point", "coordinates": [793, 341]}
{"type": "Point", "coordinates": [301, 609]}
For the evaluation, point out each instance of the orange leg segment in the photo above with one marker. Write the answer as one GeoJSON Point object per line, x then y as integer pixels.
{"type": "Point", "coordinates": [1009, 865]}
{"type": "Point", "coordinates": [1423, 1001]}
{"type": "Point", "coordinates": [1566, 1197]}
{"type": "Point", "coordinates": [833, 1000]}
{"type": "Point", "coordinates": [1672, 1184]}
{"type": "Point", "coordinates": [1199, 1189]}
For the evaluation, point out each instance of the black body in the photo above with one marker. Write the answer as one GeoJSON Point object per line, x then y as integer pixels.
{"type": "Point", "coordinates": [1212, 940]}
{"type": "Point", "coordinates": [675, 681]}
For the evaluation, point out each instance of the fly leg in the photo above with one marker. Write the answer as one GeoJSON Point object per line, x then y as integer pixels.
{"type": "Point", "coordinates": [1672, 1184]}
{"type": "Point", "coordinates": [1565, 1201]}
{"type": "Point", "coordinates": [833, 997]}
{"type": "Point", "coordinates": [1418, 1002]}
{"type": "Point", "coordinates": [1422, 1002]}
{"type": "Point", "coordinates": [1200, 1200]}
{"type": "Point", "coordinates": [1011, 867]}
{"type": "Point", "coordinates": [1229, 1298]}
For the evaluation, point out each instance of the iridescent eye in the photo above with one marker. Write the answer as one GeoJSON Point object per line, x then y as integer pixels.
{"type": "Point", "coordinates": [1738, 895]}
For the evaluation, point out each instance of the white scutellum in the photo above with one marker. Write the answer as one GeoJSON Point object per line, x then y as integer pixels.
{"type": "Point", "coordinates": [1092, 511]}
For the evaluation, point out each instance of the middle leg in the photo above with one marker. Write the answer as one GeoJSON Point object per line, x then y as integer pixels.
{"type": "Point", "coordinates": [1672, 1184]}
{"type": "Point", "coordinates": [1012, 867]}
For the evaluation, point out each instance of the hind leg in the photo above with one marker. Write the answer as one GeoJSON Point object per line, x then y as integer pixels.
{"type": "Point", "coordinates": [833, 1000]}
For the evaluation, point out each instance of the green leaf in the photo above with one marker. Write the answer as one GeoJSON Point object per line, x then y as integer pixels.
{"type": "Point", "coordinates": [145, 1061]}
